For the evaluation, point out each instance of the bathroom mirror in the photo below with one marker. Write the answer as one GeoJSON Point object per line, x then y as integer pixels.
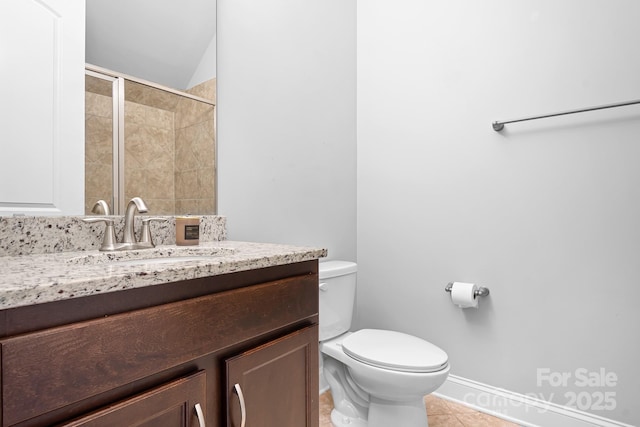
{"type": "Point", "coordinates": [167, 122]}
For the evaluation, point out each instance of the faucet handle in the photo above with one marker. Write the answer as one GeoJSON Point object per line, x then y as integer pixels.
{"type": "Point", "coordinates": [146, 237]}
{"type": "Point", "coordinates": [109, 241]}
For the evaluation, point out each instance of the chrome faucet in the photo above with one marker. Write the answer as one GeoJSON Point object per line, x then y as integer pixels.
{"type": "Point", "coordinates": [101, 208]}
{"type": "Point", "coordinates": [135, 204]}
{"type": "Point", "coordinates": [129, 239]}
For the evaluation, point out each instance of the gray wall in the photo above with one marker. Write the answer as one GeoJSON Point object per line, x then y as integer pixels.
{"type": "Point", "coordinates": [286, 122]}
{"type": "Point", "coordinates": [546, 214]}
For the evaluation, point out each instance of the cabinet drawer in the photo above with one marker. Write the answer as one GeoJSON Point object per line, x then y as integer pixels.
{"type": "Point", "coordinates": [47, 370]}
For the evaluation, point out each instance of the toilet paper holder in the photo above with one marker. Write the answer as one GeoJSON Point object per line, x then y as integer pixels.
{"type": "Point", "coordinates": [480, 292]}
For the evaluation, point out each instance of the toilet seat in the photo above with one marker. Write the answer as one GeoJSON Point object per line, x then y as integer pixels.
{"type": "Point", "coordinates": [394, 351]}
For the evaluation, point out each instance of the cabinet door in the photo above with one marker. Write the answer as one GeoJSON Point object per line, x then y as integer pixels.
{"type": "Point", "coordinates": [275, 384]}
{"type": "Point", "coordinates": [170, 405]}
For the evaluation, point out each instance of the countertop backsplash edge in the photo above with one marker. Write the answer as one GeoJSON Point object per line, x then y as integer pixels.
{"type": "Point", "coordinates": [30, 235]}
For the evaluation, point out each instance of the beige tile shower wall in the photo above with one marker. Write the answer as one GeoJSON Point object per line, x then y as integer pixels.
{"type": "Point", "coordinates": [98, 149]}
{"type": "Point", "coordinates": [195, 152]}
{"type": "Point", "coordinates": [149, 156]}
{"type": "Point", "coordinates": [169, 150]}
{"type": "Point", "coordinates": [206, 90]}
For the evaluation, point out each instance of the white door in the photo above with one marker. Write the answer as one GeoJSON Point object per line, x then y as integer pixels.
{"type": "Point", "coordinates": [42, 107]}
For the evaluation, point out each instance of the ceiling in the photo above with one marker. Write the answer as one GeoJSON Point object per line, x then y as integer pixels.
{"type": "Point", "coordinates": [161, 41]}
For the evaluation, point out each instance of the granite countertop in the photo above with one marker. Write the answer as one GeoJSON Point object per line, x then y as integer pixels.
{"type": "Point", "coordinates": [40, 278]}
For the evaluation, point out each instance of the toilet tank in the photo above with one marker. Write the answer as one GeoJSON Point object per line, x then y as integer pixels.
{"type": "Point", "coordinates": [337, 295]}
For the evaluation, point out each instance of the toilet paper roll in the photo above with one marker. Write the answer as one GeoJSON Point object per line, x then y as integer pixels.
{"type": "Point", "coordinates": [463, 295]}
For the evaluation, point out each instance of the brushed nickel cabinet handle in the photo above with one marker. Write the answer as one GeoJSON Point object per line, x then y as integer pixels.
{"type": "Point", "coordinates": [200, 415]}
{"type": "Point", "coordinates": [243, 410]}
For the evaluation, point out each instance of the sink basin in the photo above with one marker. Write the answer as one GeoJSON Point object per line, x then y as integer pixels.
{"type": "Point", "coordinates": [158, 255]}
{"type": "Point", "coordinates": [167, 260]}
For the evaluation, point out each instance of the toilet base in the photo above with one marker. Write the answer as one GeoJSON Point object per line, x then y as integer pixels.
{"type": "Point", "coordinates": [406, 414]}
{"type": "Point", "coordinates": [384, 414]}
{"type": "Point", "coordinates": [338, 419]}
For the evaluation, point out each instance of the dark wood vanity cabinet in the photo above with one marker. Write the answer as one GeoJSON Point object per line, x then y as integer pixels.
{"type": "Point", "coordinates": [148, 356]}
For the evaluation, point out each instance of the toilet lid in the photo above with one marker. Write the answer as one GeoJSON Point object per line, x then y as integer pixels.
{"type": "Point", "coordinates": [394, 350]}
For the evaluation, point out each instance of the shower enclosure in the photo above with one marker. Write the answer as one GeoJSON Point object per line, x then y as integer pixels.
{"type": "Point", "coordinates": [147, 140]}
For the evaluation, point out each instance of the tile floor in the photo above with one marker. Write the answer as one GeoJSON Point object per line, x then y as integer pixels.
{"type": "Point", "coordinates": [442, 413]}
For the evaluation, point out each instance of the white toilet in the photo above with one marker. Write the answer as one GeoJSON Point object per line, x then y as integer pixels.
{"type": "Point", "coordinates": [377, 378]}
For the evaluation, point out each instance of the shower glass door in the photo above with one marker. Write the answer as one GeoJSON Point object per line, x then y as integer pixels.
{"type": "Point", "coordinates": [149, 141]}
{"type": "Point", "coordinates": [102, 141]}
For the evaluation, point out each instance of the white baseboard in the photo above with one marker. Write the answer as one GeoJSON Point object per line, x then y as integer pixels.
{"type": "Point", "coordinates": [518, 408]}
